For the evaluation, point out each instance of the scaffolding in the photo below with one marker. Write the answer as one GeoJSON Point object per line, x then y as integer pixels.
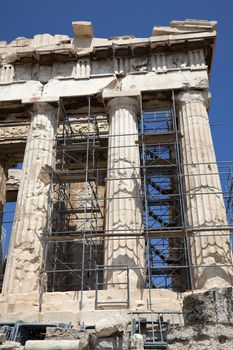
{"type": "Point", "coordinates": [153, 326]}
{"type": "Point", "coordinates": [163, 200]}
{"type": "Point", "coordinates": [73, 244]}
{"type": "Point", "coordinates": [75, 211]}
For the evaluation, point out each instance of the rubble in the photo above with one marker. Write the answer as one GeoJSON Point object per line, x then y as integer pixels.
{"type": "Point", "coordinates": [115, 326]}
{"type": "Point", "coordinates": [113, 343]}
{"type": "Point", "coordinates": [87, 340]}
{"type": "Point", "coordinates": [208, 322]}
{"type": "Point", "coordinates": [136, 342]}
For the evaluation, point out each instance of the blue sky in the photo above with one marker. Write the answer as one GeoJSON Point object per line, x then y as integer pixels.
{"type": "Point", "coordinates": [29, 17]}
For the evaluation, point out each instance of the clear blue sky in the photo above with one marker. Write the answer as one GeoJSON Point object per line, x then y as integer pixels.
{"type": "Point", "coordinates": [29, 17]}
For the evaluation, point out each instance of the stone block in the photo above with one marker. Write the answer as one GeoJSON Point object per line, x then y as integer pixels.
{"type": "Point", "coordinates": [109, 327]}
{"type": "Point", "coordinates": [52, 345]}
{"type": "Point", "coordinates": [87, 340]}
{"type": "Point", "coordinates": [11, 345]}
{"type": "Point", "coordinates": [83, 29]}
{"type": "Point", "coordinates": [136, 342]}
{"type": "Point", "coordinates": [208, 322]}
{"type": "Point", "coordinates": [112, 343]}
{"type": "Point", "coordinates": [203, 337]}
{"type": "Point", "coordinates": [208, 307]}
{"type": "Point", "coordinates": [2, 338]}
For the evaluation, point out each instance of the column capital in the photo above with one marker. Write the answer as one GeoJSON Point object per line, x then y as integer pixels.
{"type": "Point", "coordinates": [189, 96]}
{"type": "Point", "coordinates": [119, 102]}
{"type": "Point", "coordinates": [115, 99]}
{"type": "Point", "coordinates": [41, 104]}
{"type": "Point", "coordinates": [41, 108]}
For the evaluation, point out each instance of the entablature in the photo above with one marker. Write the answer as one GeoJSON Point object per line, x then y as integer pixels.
{"type": "Point", "coordinates": [184, 45]}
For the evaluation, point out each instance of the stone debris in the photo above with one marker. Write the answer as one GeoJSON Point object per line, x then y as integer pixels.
{"type": "Point", "coordinates": [113, 343]}
{"type": "Point", "coordinates": [115, 326]}
{"type": "Point", "coordinates": [87, 340]}
{"type": "Point", "coordinates": [209, 337]}
{"type": "Point", "coordinates": [136, 342]}
{"type": "Point", "coordinates": [209, 307]}
{"type": "Point", "coordinates": [208, 322]}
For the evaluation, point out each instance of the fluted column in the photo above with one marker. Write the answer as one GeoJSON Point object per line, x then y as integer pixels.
{"type": "Point", "coordinates": [203, 197]}
{"type": "Point", "coordinates": [25, 253]}
{"type": "Point", "coordinates": [3, 180]}
{"type": "Point", "coordinates": [123, 195]}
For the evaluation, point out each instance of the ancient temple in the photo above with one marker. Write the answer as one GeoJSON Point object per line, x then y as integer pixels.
{"type": "Point", "coordinates": [106, 148]}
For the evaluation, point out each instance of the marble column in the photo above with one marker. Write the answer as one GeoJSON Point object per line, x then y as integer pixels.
{"type": "Point", "coordinates": [203, 197]}
{"type": "Point", "coordinates": [123, 196]}
{"type": "Point", "coordinates": [25, 253]}
{"type": "Point", "coordinates": [3, 180]}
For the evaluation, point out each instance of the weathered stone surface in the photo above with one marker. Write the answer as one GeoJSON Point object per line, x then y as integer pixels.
{"type": "Point", "coordinates": [2, 337]}
{"type": "Point", "coordinates": [210, 249]}
{"type": "Point", "coordinates": [53, 345]}
{"type": "Point", "coordinates": [13, 178]}
{"type": "Point", "coordinates": [17, 91]}
{"type": "Point", "coordinates": [83, 29]}
{"type": "Point", "coordinates": [124, 210]}
{"type": "Point", "coordinates": [62, 333]}
{"type": "Point", "coordinates": [3, 181]}
{"type": "Point", "coordinates": [203, 337]}
{"type": "Point", "coordinates": [181, 27]}
{"type": "Point", "coordinates": [25, 254]}
{"type": "Point", "coordinates": [87, 340]}
{"type": "Point", "coordinates": [9, 132]}
{"type": "Point", "coordinates": [7, 73]}
{"type": "Point", "coordinates": [208, 322]}
{"type": "Point", "coordinates": [171, 80]}
{"type": "Point", "coordinates": [212, 306]}
{"type": "Point", "coordinates": [109, 327]}
{"type": "Point", "coordinates": [136, 342]}
{"type": "Point", "coordinates": [113, 343]}
{"type": "Point", "coordinates": [194, 25]}
{"type": "Point", "coordinates": [11, 345]}
{"type": "Point", "coordinates": [65, 307]}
